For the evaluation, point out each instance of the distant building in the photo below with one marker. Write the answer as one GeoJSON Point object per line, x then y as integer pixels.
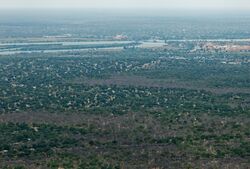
{"type": "Point", "coordinates": [120, 37]}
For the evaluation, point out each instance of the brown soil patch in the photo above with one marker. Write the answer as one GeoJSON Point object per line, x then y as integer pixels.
{"type": "Point", "coordinates": [139, 81]}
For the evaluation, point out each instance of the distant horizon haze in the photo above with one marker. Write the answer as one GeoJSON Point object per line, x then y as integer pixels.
{"type": "Point", "coordinates": [223, 5]}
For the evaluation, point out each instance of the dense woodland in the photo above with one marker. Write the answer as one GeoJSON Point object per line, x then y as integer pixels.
{"type": "Point", "coordinates": [168, 107]}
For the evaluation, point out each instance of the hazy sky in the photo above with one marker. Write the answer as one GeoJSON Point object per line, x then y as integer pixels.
{"type": "Point", "coordinates": [168, 4]}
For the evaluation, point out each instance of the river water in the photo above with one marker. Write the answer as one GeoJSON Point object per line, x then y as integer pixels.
{"type": "Point", "coordinates": [5, 48]}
